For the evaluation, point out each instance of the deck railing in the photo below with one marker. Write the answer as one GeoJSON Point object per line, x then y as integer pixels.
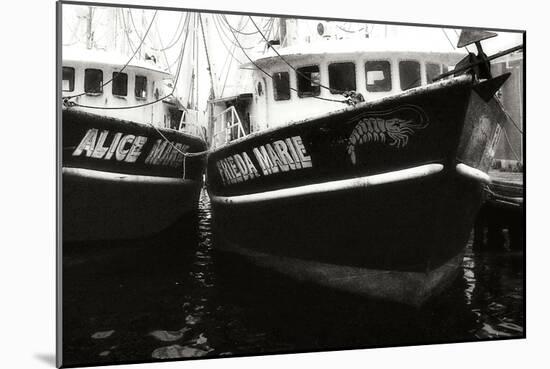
{"type": "Point", "coordinates": [227, 127]}
{"type": "Point", "coordinates": [189, 123]}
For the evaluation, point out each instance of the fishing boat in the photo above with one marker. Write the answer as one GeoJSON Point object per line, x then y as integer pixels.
{"type": "Point", "coordinates": [132, 162]}
{"type": "Point", "coordinates": [355, 165]}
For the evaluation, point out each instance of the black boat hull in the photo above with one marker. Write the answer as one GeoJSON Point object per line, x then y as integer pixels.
{"type": "Point", "coordinates": [381, 198]}
{"type": "Point", "coordinates": [123, 180]}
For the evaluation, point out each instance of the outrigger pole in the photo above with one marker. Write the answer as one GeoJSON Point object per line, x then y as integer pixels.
{"type": "Point", "coordinates": [478, 64]}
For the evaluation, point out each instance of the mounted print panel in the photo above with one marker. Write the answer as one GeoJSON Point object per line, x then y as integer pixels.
{"type": "Point", "coordinates": [242, 184]}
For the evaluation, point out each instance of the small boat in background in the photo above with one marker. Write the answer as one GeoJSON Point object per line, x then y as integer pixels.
{"type": "Point", "coordinates": [377, 198]}
{"type": "Point", "coordinates": [132, 159]}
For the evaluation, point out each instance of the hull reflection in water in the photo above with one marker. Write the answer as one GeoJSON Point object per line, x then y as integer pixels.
{"type": "Point", "coordinates": [172, 296]}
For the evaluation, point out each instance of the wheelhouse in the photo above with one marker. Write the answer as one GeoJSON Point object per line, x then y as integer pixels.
{"type": "Point", "coordinates": [135, 92]}
{"type": "Point", "coordinates": [295, 85]}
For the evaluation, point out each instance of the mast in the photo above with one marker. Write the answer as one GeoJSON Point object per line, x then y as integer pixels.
{"type": "Point", "coordinates": [282, 32]}
{"type": "Point", "coordinates": [89, 32]}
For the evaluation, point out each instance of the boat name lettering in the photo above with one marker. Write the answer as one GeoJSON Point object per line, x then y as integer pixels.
{"type": "Point", "coordinates": [128, 148]}
{"type": "Point", "coordinates": [279, 156]}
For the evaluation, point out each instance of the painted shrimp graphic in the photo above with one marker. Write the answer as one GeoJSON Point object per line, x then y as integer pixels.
{"type": "Point", "coordinates": [393, 127]}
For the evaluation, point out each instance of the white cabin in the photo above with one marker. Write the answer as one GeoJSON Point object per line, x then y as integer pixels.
{"type": "Point", "coordinates": [85, 78]}
{"type": "Point", "coordinates": [375, 68]}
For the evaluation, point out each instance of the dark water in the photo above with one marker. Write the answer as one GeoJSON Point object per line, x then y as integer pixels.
{"type": "Point", "coordinates": [172, 296]}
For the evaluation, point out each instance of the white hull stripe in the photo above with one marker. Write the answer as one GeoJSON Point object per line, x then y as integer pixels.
{"type": "Point", "coordinates": [333, 186]}
{"type": "Point", "coordinates": [121, 177]}
{"type": "Point", "coordinates": [473, 173]}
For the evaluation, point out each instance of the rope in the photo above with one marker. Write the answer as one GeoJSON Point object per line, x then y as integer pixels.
{"type": "Point", "coordinates": [125, 65]}
{"type": "Point", "coordinates": [185, 154]}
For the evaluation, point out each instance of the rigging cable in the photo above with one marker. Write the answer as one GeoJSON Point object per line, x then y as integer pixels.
{"type": "Point", "coordinates": [225, 45]}
{"type": "Point", "coordinates": [458, 37]}
{"type": "Point", "coordinates": [332, 90]}
{"type": "Point", "coordinates": [125, 65]}
{"type": "Point", "coordinates": [240, 31]}
{"type": "Point", "coordinates": [135, 28]}
{"type": "Point", "coordinates": [144, 104]}
{"type": "Point", "coordinates": [222, 23]}
{"type": "Point", "coordinates": [207, 57]}
{"type": "Point", "coordinates": [510, 145]}
{"type": "Point", "coordinates": [267, 74]}
{"type": "Point", "coordinates": [174, 40]}
{"type": "Point", "coordinates": [73, 35]}
{"type": "Point", "coordinates": [509, 117]}
{"type": "Point", "coordinates": [448, 39]}
{"type": "Point", "coordinates": [126, 33]}
{"type": "Point", "coordinates": [163, 51]}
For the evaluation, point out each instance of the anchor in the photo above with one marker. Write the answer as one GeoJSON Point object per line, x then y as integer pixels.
{"type": "Point", "coordinates": [479, 66]}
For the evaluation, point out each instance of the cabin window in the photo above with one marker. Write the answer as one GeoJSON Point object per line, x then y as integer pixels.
{"type": "Point", "coordinates": [341, 77]}
{"type": "Point", "coordinates": [281, 86]}
{"type": "Point", "coordinates": [445, 68]}
{"type": "Point", "coordinates": [409, 74]}
{"type": "Point", "coordinates": [93, 81]}
{"type": "Point", "coordinates": [378, 75]}
{"type": "Point", "coordinates": [120, 84]}
{"type": "Point", "coordinates": [141, 87]}
{"type": "Point", "coordinates": [432, 70]}
{"type": "Point", "coordinates": [308, 81]}
{"type": "Point", "coordinates": [68, 79]}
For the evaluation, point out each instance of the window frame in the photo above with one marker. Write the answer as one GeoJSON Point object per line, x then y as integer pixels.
{"type": "Point", "coordinates": [419, 73]}
{"type": "Point", "coordinates": [93, 93]}
{"type": "Point", "coordinates": [306, 95]}
{"type": "Point", "coordinates": [114, 80]}
{"type": "Point", "coordinates": [391, 69]}
{"type": "Point", "coordinates": [439, 65]}
{"type": "Point", "coordinates": [139, 97]}
{"type": "Point", "coordinates": [71, 82]}
{"type": "Point", "coordinates": [275, 93]}
{"type": "Point", "coordinates": [354, 72]}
